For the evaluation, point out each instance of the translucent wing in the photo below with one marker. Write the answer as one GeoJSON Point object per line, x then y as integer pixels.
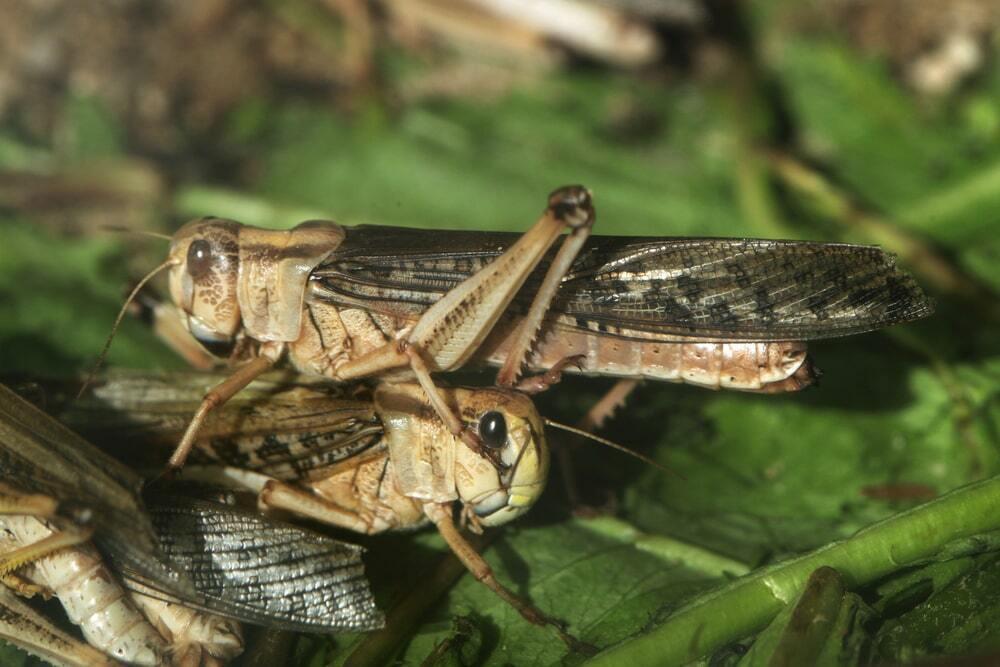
{"type": "Point", "coordinates": [733, 289]}
{"type": "Point", "coordinates": [258, 570]}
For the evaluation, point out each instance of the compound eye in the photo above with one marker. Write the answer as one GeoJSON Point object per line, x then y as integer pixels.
{"type": "Point", "coordinates": [493, 430]}
{"type": "Point", "coordinates": [199, 258]}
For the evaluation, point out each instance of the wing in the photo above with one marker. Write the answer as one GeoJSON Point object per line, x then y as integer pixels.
{"type": "Point", "coordinates": [730, 289]}
{"type": "Point", "coordinates": [284, 429]}
{"type": "Point", "coordinates": [40, 455]}
{"type": "Point", "coordinates": [258, 570]}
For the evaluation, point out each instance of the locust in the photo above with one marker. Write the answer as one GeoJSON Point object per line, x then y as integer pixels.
{"type": "Point", "coordinates": [387, 305]}
{"type": "Point", "coordinates": [366, 461]}
{"type": "Point", "coordinates": [175, 592]}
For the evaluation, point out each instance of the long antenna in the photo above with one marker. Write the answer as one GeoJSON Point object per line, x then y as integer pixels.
{"type": "Point", "coordinates": [118, 320]}
{"type": "Point", "coordinates": [118, 229]}
{"type": "Point", "coordinates": [609, 443]}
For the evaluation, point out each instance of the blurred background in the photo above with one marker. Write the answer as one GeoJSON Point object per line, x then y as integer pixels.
{"type": "Point", "coordinates": [870, 121]}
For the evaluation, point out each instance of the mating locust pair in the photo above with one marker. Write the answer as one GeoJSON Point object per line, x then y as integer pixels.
{"type": "Point", "coordinates": [391, 307]}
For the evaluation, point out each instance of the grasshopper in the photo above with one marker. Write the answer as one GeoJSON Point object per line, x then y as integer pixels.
{"type": "Point", "coordinates": [388, 304]}
{"type": "Point", "coordinates": [366, 463]}
{"type": "Point", "coordinates": [187, 557]}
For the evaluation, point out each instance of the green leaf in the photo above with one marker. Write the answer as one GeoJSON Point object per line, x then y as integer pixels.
{"type": "Point", "coordinates": [960, 619]}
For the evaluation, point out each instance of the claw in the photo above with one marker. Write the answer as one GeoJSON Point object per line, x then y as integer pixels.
{"type": "Point", "coordinates": [536, 384]}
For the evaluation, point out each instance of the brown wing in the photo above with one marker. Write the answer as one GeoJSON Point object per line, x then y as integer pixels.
{"type": "Point", "coordinates": [281, 429]}
{"type": "Point", "coordinates": [733, 289]}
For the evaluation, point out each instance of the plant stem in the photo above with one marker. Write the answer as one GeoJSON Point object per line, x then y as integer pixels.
{"type": "Point", "coordinates": [667, 548]}
{"type": "Point", "coordinates": [749, 603]}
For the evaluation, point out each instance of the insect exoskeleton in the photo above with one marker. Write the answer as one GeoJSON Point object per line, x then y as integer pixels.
{"type": "Point", "coordinates": [497, 489]}
{"type": "Point", "coordinates": [91, 595]}
{"type": "Point", "coordinates": [227, 278]}
{"type": "Point", "coordinates": [195, 637]}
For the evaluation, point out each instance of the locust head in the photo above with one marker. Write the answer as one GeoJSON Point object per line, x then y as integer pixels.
{"type": "Point", "coordinates": [432, 465]}
{"type": "Point", "coordinates": [204, 274]}
{"type": "Point", "coordinates": [229, 278]}
{"type": "Point", "coordinates": [509, 425]}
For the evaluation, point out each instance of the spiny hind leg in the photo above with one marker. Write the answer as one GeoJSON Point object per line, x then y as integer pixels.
{"type": "Point", "coordinates": [451, 330]}
{"type": "Point", "coordinates": [608, 404]}
{"type": "Point", "coordinates": [571, 207]}
{"type": "Point", "coordinates": [67, 536]}
{"type": "Point", "coordinates": [574, 207]}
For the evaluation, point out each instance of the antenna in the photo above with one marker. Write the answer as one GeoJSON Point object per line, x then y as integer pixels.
{"type": "Point", "coordinates": [609, 443]}
{"type": "Point", "coordinates": [118, 321]}
{"type": "Point", "coordinates": [118, 229]}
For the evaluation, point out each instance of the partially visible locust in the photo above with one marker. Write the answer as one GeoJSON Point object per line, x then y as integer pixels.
{"type": "Point", "coordinates": [111, 619]}
{"type": "Point", "coordinates": [247, 566]}
{"type": "Point", "coordinates": [28, 629]}
{"type": "Point", "coordinates": [58, 492]}
{"type": "Point", "coordinates": [214, 558]}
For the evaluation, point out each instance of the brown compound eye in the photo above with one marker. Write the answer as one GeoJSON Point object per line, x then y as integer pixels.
{"type": "Point", "coordinates": [199, 258]}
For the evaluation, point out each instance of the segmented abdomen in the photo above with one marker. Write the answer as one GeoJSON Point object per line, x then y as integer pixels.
{"type": "Point", "coordinates": [192, 633]}
{"type": "Point", "coordinates": [766, 367]}
{"type": "Point", "coordinates": [90, 594]}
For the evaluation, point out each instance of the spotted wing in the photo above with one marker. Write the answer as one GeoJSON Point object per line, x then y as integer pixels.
{"type": "Point", "coordinates": [258, 570]}
{"type": "Point", "coordinates": [278, 427]}
{"type": "Point", "coordinates": [730, 289]}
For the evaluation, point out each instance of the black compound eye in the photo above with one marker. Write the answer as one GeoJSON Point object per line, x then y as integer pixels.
{"type": "Point", "coordinates": [493, 430]}
{"type": "Point", "coordinates": [199, 258]}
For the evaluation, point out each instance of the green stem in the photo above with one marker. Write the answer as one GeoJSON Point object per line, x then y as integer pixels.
{"type": "Point", "coordinates": [748, 604]}
{"type": "Point", "coordinates": [667, 548]}
{"type": "Point", "coordinates": [941, 207]}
